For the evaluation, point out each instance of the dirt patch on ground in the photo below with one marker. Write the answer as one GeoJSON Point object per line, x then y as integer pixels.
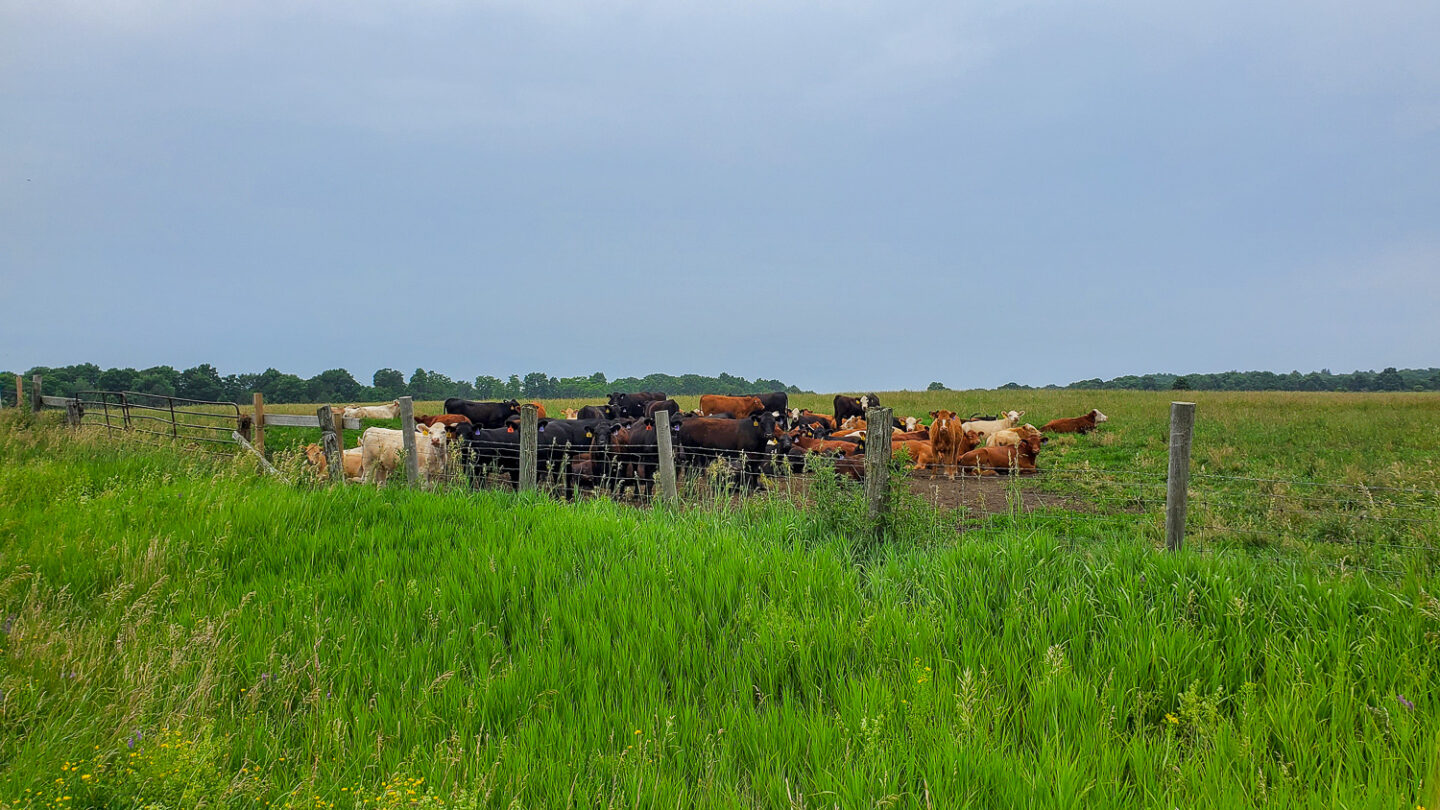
{"type": "Point", "coordinates": [990, 495]}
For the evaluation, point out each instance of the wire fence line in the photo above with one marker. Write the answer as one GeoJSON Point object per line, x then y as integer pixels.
{"type": "Point", "coordinates": [1354, 526]}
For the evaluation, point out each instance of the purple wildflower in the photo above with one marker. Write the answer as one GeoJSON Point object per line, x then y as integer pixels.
{"type": "Point", "coordinates": [1403, 702]}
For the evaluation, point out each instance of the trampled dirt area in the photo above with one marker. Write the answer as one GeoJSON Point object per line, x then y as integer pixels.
{"type": "Point", "coordinates": [990, 495]}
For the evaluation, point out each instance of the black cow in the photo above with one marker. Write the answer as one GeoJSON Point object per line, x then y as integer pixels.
{"type": "Point", "coordinates": [777, 403]}
{"type": "Point", "coordinates": [632, 452]}
{"type": "Point", "coordinates": [846, 407]}
{"type": "Point", "coordinates": [663, 405]}
{"type": "Point", "coordinates": [483, 414]}
{"type": "Point", "coordinates": [489, 449]}
{"type": "Point", "coordinates": [597, 412]}
{"type": "Point", "coordinates": [633, 405]}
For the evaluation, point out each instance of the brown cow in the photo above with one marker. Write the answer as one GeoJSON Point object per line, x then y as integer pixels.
{"type": "Point", "coordinates": [921, 452]}
{"type": "Point", "coordinates": [813, 445]}
{"type": "Point", "coordinates": [1002, 460]}
{"type": "Point", "coordinates": [446, 419]}
{"type": "Point", "coordinates": [1078, 424]}
{"type": "Point", "coordinates": [539, 409]}
{"type": "Point", "coordinates": [738, 407]}
{"type": "Point", "coordinates": [945, 437]}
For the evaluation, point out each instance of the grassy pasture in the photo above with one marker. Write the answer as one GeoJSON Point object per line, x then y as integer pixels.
{"type": "Point", "coordinates": [180, 633]}
{"type": "Point", "coordinates": [1358, 447]}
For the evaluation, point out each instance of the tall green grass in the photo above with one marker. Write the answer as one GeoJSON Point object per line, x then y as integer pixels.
{"type": "Point", "coordinates": [182, 633]}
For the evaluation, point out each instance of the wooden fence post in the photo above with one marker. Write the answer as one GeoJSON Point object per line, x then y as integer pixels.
{"type": "Point", "coordinates": [19, 391]}
{"type": "Point", "coordinates": [666, 449]}
{"type": "Point", "coordinates": [339, 417]}
{"type": "Point", "coordinates": [260, 423]}
{"type": "Point", "coordinates": [73, 413]}
{"type": "Point", "coordinates": [412, 451]}
{"type": "Point", "coordinates": [1182, 423]}
{"type": "Point", "coordinates": [331, 444]}
{"type": "Point", "coordinates": [35, 396]}
{"type": "Point", "coordinates": [877, 464]}
{"type": "Point", "coordinates": [529, 445]}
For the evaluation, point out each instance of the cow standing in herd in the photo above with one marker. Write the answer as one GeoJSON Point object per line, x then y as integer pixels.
{"type": "Point", "coordinates": [753, 434]}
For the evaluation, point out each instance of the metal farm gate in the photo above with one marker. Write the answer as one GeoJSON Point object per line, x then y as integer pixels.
{"type": "Point", "coordinates": [208, 425]}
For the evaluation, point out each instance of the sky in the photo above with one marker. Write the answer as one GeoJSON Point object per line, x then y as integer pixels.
{"type": "Point", "coordinates": [843, 195]}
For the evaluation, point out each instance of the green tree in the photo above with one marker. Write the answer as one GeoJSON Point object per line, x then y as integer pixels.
{"type": "Point", "coordinates": [201, 382]}
{"type": "Point", "coordinates": [936, 386]}
{"type": "Point", "coordinates": [389, 383]}
{"type": "Point", "coordinates": [334, 385]}
{"type": "Point", "coordinates": [1180, 384]}
{"type": "Point", "coordinates": [1389, 380]}
{"type": "Point", "coordinates": [487, 387]}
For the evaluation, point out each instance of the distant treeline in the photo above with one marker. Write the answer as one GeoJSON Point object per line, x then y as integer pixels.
{"type": "Point", "coordinates": [1391, 379]}
{"type": "Point", "coordinates": [338, 385]}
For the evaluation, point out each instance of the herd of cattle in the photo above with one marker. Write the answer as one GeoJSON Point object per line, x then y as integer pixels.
{"type": "Point", "coordinates": [753, 435]}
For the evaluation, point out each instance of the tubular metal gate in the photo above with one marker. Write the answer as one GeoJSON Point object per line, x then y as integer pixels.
{"type": "Point", "coordinates": [208, 424]}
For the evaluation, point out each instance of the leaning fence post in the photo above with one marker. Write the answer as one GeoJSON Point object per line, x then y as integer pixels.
{"type": "Point", "coordinates": [877, 464]}
{"type": "Point", "coordinates": [663, 446]}
{"type": "Point", "coordinates": [260, 423]}
{"type": "Point", "coordinates": [1182, 423]}
{"type": "Point", "coordinates": [407, 428]}
{"type": "Point", "coordinates": [330, 443]}
{"type": "Point", "coordinates": [36, 398]}
{"type": "Point", "coordinates": [529, 445]}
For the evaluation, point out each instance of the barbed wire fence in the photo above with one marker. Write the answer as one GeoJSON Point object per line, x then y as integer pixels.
{"type": "Point", "coordinates": [1383, 530]}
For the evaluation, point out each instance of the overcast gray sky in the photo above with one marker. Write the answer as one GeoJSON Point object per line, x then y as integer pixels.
{"type": "Point", "coordinates": [843, 195]}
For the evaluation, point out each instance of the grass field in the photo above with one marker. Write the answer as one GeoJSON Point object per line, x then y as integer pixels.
{"type": "Point", "coordinates": [1313, 476]}
{"type": "Point", "coordinates": [178, 632]}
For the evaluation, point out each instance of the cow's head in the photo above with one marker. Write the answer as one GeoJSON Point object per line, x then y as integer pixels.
{"type": "Point", "coordinates": [315, 454]}
{"type": "Point", "coordinates": [435, 435]}
{"type": "Point", "coordinates": [864, 403]}
{"type": "Point", "coordinates": [1014, 416]}
{"type": "Point", "coordinates": [1099, 417]}
{"type": "Point", "coordinates": [571, 413]}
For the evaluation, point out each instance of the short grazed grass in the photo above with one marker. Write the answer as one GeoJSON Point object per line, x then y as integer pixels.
{"type": "Point", "coordinates": [181, 633]}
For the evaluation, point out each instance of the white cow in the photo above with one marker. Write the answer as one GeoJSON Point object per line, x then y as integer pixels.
{"type": "Point", "coordinates": [373, 411]}
{"type": "Point", "coordinates": [381, 448]}
{"type": "Point", "coordinates": [986, 427]}
{"type": "Point", "coordinates": [1011, 437]}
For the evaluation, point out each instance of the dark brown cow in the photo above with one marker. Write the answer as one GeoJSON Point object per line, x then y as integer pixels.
{"type": "Point", "coordinates": [663, 405]}
{"type": "Point", "coordinates": [1076, 424]}
{"type": "Point", "coordinates": [738, 407]}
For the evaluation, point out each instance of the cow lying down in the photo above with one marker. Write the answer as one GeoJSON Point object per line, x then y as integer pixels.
{"type": "Point", "coordinates": [1003, 459]}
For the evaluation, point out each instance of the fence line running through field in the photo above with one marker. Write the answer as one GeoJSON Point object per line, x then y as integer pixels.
{"type": "Point", "coordinates": [1361, 526]}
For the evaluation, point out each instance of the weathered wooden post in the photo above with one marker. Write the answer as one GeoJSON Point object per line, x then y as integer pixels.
{"type": "Point", "coordinates": [663, 446]}
{"type": "Point", "coordinates": [407, 427]}
{"type": "Point", "coordinates": [1182, 423]}
{"type": "Point", "coordinates": [36, 398]}
{"type": "Point", "coordinates": [260, 423]}
{"type": "Point", "coordinates": [339, 416]}
{"type": "Point", "coordinates": [877, 464]}
{"type": "Point", "coordinates": [529, 445]}
{"type": "Point", "coordinates": [331, 444]}
{"type": "Point", "coordinates": [19, 391]}
{"type": "Point", "coordinates": [73, 413]}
